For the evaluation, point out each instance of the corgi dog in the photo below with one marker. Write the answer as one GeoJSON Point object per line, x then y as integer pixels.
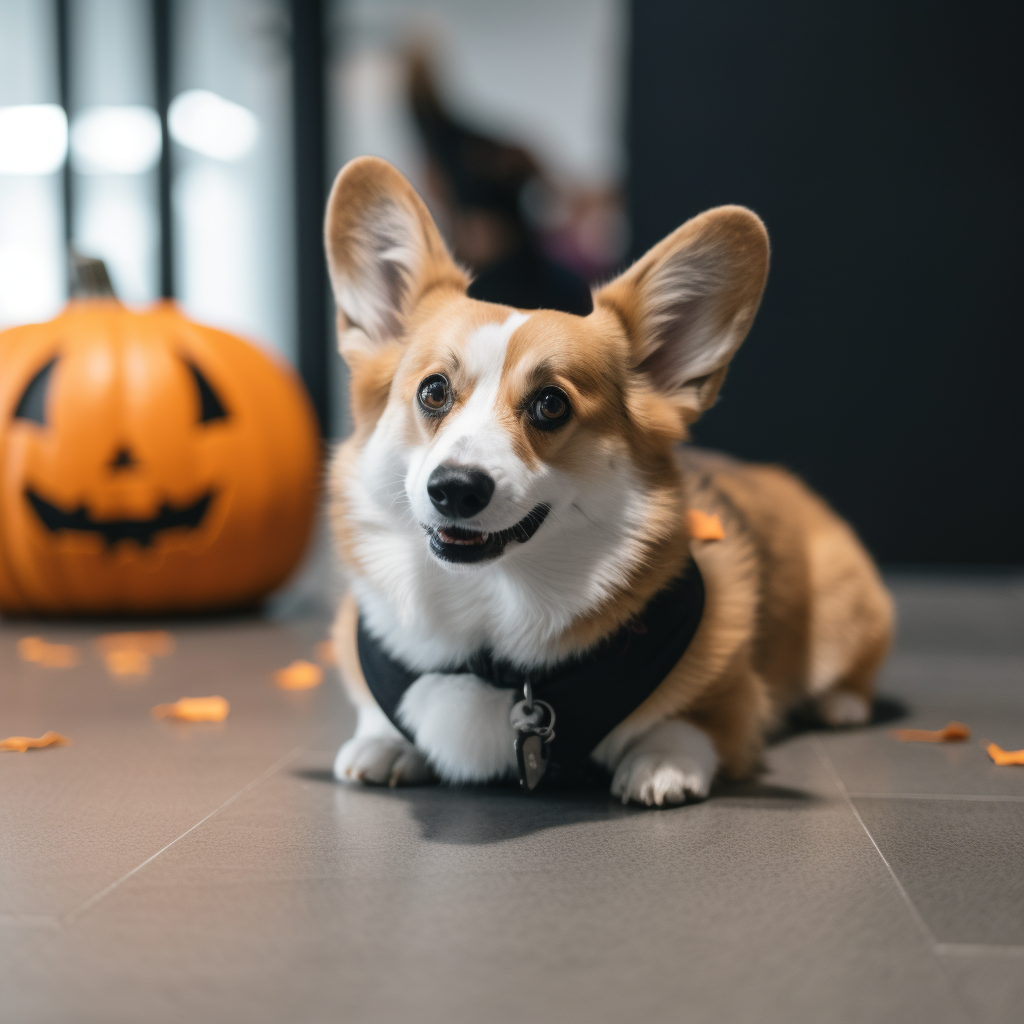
{"type": "Point", "coordinates": [517, 490]}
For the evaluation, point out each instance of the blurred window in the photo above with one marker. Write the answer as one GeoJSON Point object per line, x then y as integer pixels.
{"type": "Point", "coordinates": [231, 158]}
{"type": "Point", "coordinates": [115, 142]}
{"type": "Point", "coordinates": [33, 144]}
{"type": "Point", "coordinates": [230, 122]}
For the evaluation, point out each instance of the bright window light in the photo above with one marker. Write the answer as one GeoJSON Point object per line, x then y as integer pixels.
{"type": "Point", "coordinates": [115, 140]}
{"type": "Point", "coordinates": [32, 251]}
{"type": "Point", "coordinates": [212, 125]}
{"type": "Point", "coordinates": [33, 139]}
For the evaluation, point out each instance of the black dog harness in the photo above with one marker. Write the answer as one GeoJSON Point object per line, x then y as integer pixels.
{"type": "Point", "coordinates": [588, 695]}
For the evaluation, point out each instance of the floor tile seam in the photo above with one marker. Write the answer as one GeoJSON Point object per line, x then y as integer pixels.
{"type": "Point", "coordinates": [838, 782]}
{"type": "Point", "coordinates": [272, 770]}
{"type": "Point", "coordinates": [940, 963]}
{"type": "Point", "coordinates": [983, 797]}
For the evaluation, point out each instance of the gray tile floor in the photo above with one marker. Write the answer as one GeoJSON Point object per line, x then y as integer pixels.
{"type": "Point", "coordinates": [159, 871]}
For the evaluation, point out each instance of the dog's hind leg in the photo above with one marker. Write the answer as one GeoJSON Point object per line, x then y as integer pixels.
{"type": "Point", "coordinates": [847, 701]}
{"type": "Point", "coordinates": [851, 627]}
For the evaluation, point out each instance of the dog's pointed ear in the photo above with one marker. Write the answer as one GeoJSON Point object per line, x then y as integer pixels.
{"type": "Point", "coordinates": [689, 303]}
{"type": "Point", "coordinates": [384, 252]}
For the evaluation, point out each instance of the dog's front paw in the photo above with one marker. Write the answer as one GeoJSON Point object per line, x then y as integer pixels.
{"type": "Point", "coordinates": [380, 760]}
{"type": "Point", "coordinates": [673, 762]}
{"type": "Point", "coordinates": [657, 779]}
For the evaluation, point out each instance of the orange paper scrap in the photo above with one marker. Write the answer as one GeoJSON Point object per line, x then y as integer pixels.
{"type": "Point", "coordinates": [704, 526]}
{"type": "Point", "coordinates": [127, 663]}
{"type": "Point", "coordinates": [194, 709]}
{"type": "Point", "coordinates": [157, 642]}
{"type": "Point", "coordinates": [954, 732]}
{"type": "Point", "coordinates": [1005, 757]}
{"type": "Point", "coordinates": [130, 654]}
{"type": "Point", "coordinates": [325, 653]}
{"type": "Point", "coordinates": [23, 743]}
{"type": "Point", "coordinates": [37, 650]}
{"type": "Point", "coordinates": [299, 675]}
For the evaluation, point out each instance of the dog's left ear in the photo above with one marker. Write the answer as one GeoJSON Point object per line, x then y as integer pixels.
{"type": "Point", "coordinates": [383, 253]}
{"type": "Point", "coordinates": [689, 303]}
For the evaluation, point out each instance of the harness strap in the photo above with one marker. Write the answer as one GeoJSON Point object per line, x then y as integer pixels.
{"type": "Point", "coordinates": [591, 693]}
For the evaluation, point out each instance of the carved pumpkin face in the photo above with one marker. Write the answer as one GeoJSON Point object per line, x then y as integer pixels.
{"type": "Point", "coordinates": [147, 464]}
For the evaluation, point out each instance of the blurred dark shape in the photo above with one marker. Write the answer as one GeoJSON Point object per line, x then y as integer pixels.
{"type": "Point", "coordinates": [877, 141]}
{"type": "Point", "coordinates": [87, 277]}
{"type": "Point", "coordinates": [482, 186]}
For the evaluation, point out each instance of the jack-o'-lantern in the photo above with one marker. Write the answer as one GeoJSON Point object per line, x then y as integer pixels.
{"type": "Point", "coordinates": [147, 464]}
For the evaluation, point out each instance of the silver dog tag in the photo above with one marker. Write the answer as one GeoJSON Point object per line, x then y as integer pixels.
{"type": "Point", "coordinates": [532, 758]}
{"type": "Point", "coordinates": [533, 722]}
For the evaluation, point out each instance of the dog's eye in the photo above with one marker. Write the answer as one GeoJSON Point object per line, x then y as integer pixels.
{"type": "Point", "coordinates": [549, 409]}
{"type": "Point", "coordinates": [435, 395]}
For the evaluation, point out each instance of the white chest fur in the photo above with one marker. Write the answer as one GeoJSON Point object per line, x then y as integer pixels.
{"type": "Point", "coordinates": [518, 606]}
{"type": "Point", "coordinates": [462, 725]}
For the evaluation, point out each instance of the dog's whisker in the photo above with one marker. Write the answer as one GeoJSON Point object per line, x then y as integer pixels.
{"type": "Point", "coordinates": [561, 526]}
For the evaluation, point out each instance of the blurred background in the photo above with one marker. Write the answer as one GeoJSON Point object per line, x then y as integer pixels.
{"type": "Point", "coordinates": [191, 143]}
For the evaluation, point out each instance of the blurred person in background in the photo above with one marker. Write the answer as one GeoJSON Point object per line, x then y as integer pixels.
{"type": "Point", "coordinates": [491, 195]}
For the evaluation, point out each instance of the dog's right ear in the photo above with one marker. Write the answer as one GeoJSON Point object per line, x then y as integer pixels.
{"type": "Point", "coordinates": [383, 253]}
{"type": "Point", "coordinates": [689, 302]}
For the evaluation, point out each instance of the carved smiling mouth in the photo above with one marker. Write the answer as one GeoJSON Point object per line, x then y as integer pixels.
{"type": "Point", "coordinates": [458, 544]}
{"type": "Point", "coordinates": [113, 530]}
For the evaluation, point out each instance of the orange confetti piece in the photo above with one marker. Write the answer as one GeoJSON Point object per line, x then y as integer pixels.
{"type": "Point", "coordinates": [1005, 757]}
{"type": "Point", "coordinates": [326, 654]}
{"type": "Point", "coordinates": [954, 732]}
{"type": "Point", "coordinates": [194, 709]}
{"type": "Point", "coordinates": [131, 654]}
{"type": "Point", "coordinates": [127, 663]}
{"type": "Point", "coordinates": [156, 643]}
{"type": "Point", "coordinates": [38, 651]}
{"type": "Point", "coordinates": [299, 675]}
{"type": "Point", "coordinates": [23, 743]}
{"type": "Point", "coordinates": [704, 526]}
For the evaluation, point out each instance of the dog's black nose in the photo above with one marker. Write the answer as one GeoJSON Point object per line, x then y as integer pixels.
{"type": "Point", "coordinates": [458, 492]}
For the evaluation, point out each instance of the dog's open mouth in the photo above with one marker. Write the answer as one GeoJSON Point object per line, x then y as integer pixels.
{"type": "Point", "coordinates": [458, 544]}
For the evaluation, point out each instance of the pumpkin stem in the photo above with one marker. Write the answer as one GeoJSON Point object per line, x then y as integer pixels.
{"type": "Point", "coordinates": [88, 277]}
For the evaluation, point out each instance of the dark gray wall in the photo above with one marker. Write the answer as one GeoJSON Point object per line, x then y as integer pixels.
{"type": "Point", "coordinates": [880, 143]}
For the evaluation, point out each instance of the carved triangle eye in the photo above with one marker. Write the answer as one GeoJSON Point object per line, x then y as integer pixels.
{"type": "Point", "coordinates": [32, 404]}
{"type": "Point", "coordinates": [210, 406]}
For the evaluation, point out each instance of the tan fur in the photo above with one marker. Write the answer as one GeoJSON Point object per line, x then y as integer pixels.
{"type": "Point", "coordinates": [343, 634]}
{"type": "Point", "coordinates": [794, 606]}
{"type": "Point", "coordinates": [789, 581]}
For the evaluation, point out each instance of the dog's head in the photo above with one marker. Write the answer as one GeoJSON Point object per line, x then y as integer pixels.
{"type": "Point", "coordinates": [480, 427]}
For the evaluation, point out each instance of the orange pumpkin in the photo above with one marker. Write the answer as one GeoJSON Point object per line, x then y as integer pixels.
{"type": "Point", "coordinates": [147, 464]}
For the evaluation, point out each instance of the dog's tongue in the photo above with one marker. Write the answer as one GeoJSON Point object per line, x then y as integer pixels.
{"type": "Point", "coordinates": [456, 535]}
